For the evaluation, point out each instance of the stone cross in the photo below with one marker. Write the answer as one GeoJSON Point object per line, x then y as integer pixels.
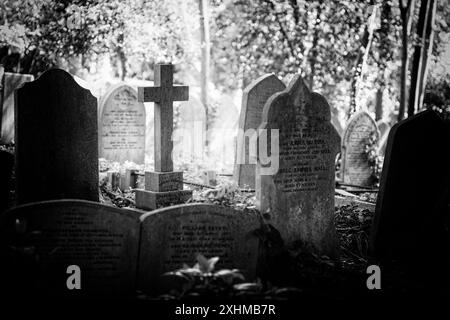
{"type": "Point", "coordinates": [163, 94]}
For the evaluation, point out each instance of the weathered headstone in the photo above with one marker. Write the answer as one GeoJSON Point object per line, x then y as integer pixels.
{"type": "Point", "coordinates": [173, 236]}
{"type": "Point", "coordinates": [355, 166]}
{"type": "Point", "coordinates": [10, 82]}
{"type": "Point", "coordinates": [190, 134]}
{"type": "Point", "coordinates": [56, 140]}
{"type": "Point", "coordinates": [6, 167]}
{"type": "Point", "coordinates": [299, 196]}
{"type": "Point", "coordinates": [414, 189]}
{"type": "Point", "coordinates": [163, 186]}
{"type": "Point", "coordinates": [255, 96]}
{"type": "Point", "coordinates": [101, 240]}
{"type": "Point", "coordinates": [122, 125]}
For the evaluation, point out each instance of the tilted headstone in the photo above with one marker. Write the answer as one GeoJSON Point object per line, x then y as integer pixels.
{"type": "Point", "coordinates": [101, 240]}
{"type": "Point", "coordinates": [414, 189]}
{"type": "Point", "coordinates": [6, 168]}
{"type": "Point", "coordinates": [163, 186]}
{"type": "Point", "coordinates": [173, 236]}
{"type": "Point", "coordinates": [190, 135]}
{"type": "Point", "coordinates": [56, 140]}
{"type": "Point", "coordinates": [299, 195]}
{"type": "Point", "coordinates": [122, 125]}
{"type": "Point", "coordinates": [10, 82]}
{"type": "Point", "coordinates": [253, 100]}
{"type": "Point", "coordinates": [355, 166]}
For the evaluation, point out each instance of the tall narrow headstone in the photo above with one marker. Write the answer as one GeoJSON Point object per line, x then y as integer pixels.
{"type": "Point", "coordinates": [56, 140]}
{"type": "Point", "coordinates": [10, 82]}
{"type": "Point", "coordinates": [255, 96]}
{"type": "Point", "coordinates": [6, 168]}
{"type": "Point", "coordinates": [412, 203]}
{"type": "Point", "coordinates": [298, 197]}
{"type": "Point", "coordinates": [101, 240]}
{"type": "Point", "coordinates": [173, 236]}
{"type": "Point", "coordinates": [122, 125]}
{"type": "Point", "coordinates": [163, 186]}
{"type": "Point", "coordinates": [355, 166]}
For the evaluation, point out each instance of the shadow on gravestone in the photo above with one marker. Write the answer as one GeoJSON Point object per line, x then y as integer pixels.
{"type": "Point", "coordinates": [6, 168]}
{"type": "Point", "coordinates": [173, 236]}
{"type": "Point", "coordinates": [121, 125]}
{"type": "Point", "coordinates": [253, 100]}
{"type": "Point", "coordinates": [412, 210]}
{"type": "Point", "coordinates": [56, 140]}
{"type": "Point", "coordinates": [298, 198]}
{"type": "Point", "coordinates": [40, 240]}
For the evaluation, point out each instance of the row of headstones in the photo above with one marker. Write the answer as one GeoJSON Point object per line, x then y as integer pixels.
{"type": "Point", "coordinates": [360, 130]}
{"type": "Point", "coordinates": [120, 251]}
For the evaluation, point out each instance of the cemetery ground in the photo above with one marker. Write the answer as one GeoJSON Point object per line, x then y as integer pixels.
{"type": "Point", "coordinates": [288, 274]}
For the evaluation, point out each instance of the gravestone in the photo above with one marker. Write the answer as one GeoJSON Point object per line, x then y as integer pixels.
{"type": "Point", "coordinates": [56, 140]}
{"type": "Point", "coordinates": [6, 168]}
{"type": "Point", "coordinates": [122, 125]}
{"type": "Point", "coordinates": [101, 240]}
{"type": "Point", "coordinates": [10, 82]}
{"type": "Point", "coordinates": [298, 196]}
{"type": "Point", "coordinates": [190, 134]}
{"type": "Point", "coordinates": [163, 186]}
{"type": "Point", "coordinates": [173, 236]}
{"type": "Point", "coordinates": [255, 96]}
{"type": "Point", "coordinates": [355, 166]}
{"type": "Point", "coordinates": [411, 206]}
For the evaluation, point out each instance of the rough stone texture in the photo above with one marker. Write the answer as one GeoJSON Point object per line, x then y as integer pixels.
{"type": "Point", "coordinates": [151, 200]}
{"type": "Point", "coordinates": [102, 240]}
{"type": "Point", "coordinates": [56, 140]}
{"type": "Point", "coordinates": [299, 197]}
{"type": "Point", "coordinates": [253, 100]}
{"type": "Point", "coordinates": [355, 168]}
{"type": "Point", "coordinates": [10, 82]}
{"type": "Point", "coordinates": [175, 235]}
{"type": "Point", "coordinates": [414, 190]}
{"type": "Point", "coordinates": [6, 168]}
{"type": "Point", "coordinates": [122, 125]}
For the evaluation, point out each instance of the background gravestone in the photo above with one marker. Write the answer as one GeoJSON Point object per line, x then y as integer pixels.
{"type": "Point", "coordinates": [254, 97]}
{"type": "Point", "coordinates": [299, 197]}
{"type": "Point", "coordinates": [6, 167]}
{"type": "Point", "coordinates": [56, 140]}
{"type": "Point", "coordinates": [122, 125]}
{"type": "Point", "coordinates": [102, 240]}
{"type": "Point", "coordinates": [173, 236]}
{"type": "Point", "coordinates": [190, 133]}
{"type": "Point", "coordinates": [412, 206]}
{"type": "Point", "coordinates": [355, 167]}
{"type": "Point", "coordinates": [10, 82]}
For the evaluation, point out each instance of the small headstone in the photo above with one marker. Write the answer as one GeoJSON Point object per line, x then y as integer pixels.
{"type": "Point", "coordinates": [414, 189]}
{"type": "Point", "coordinates": [299, 196]}
{"type": "Point", "coordinates": [355, 166]}
{"type": "Point", "coordinates": [173, 236]}
{"type": "Point", "coordinates": [253, 100]}
{"type": "Point", "coordinates": [10, 82]}
{"type": "Point", "coordinates": [163, 187]}
{"type": "Point", "coordinates": [57, 141]}
{"type": "Point", "coordinates": [101, 240]}
{"type": "Point", "coordinates": [6, 168]}
{"type": "Point", "coordinates": [122, 125]}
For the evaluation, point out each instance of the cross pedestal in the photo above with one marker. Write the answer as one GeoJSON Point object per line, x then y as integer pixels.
{"type": "Point", "coordinates": [163, 187]}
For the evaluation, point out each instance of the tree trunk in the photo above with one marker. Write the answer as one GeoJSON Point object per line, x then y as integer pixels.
{"type": "Point", "coordinates": [405, 13]}
{"type": "Point", "coordinates": [427, 51]}
{"type": "Point", "coordinates": [419, 48]}
{"type": "Point", "coordinates": [205, 57]}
